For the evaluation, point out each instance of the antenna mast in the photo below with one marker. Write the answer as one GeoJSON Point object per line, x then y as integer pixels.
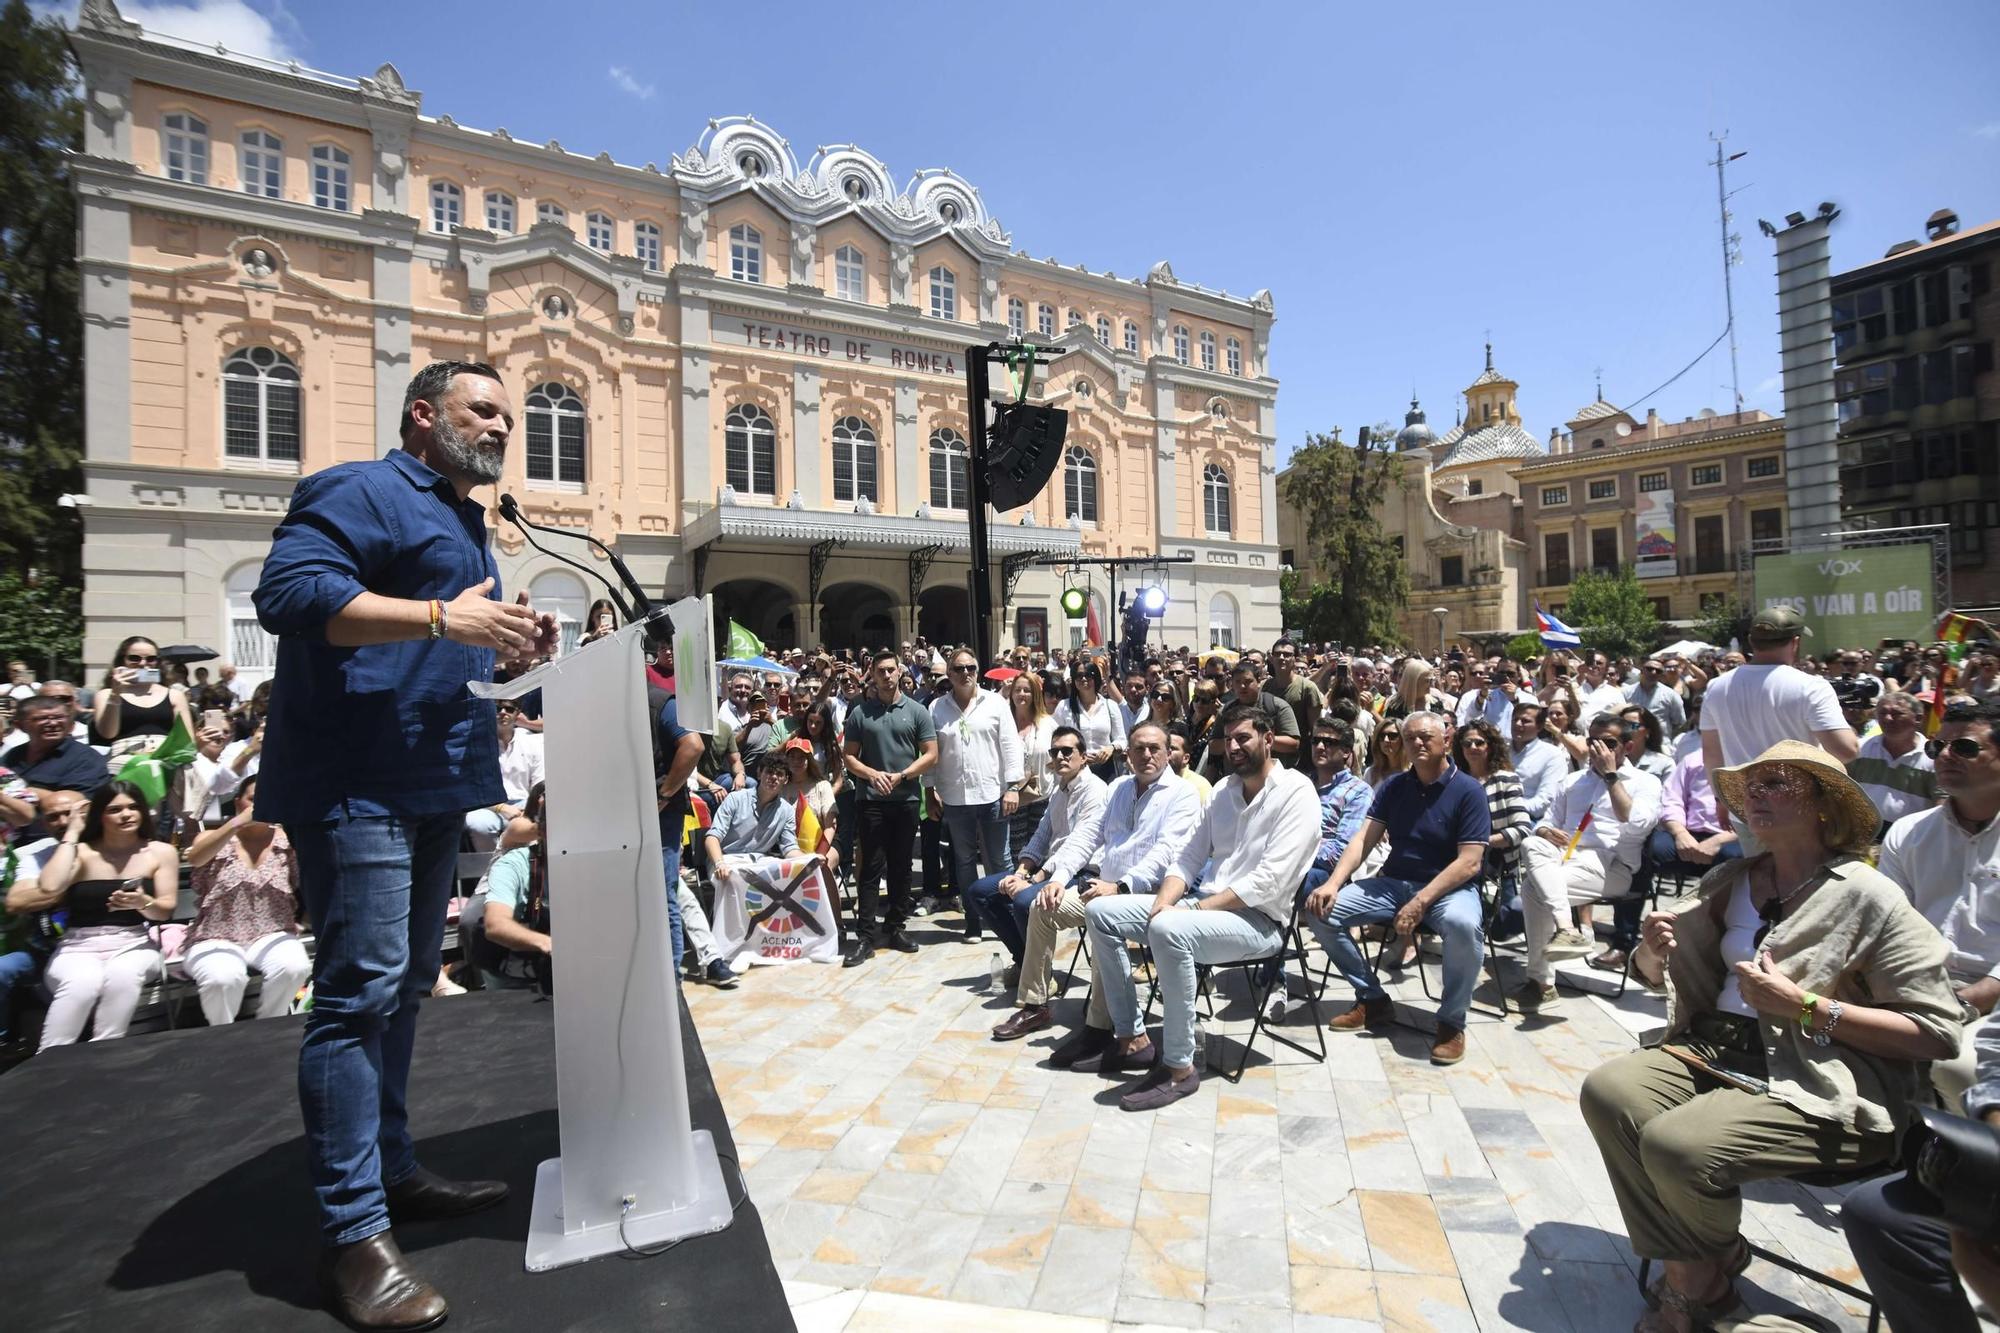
{"type": "Point", "coordinates": [1730, 256]}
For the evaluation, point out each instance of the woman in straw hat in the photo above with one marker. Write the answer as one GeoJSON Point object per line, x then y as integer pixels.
{"type": "Point", "coordinates": [1804, 997]}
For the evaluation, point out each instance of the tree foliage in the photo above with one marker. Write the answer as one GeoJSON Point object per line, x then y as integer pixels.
{"type": "Point", "coordinates": [41, 338]}
{"type": "Point", "coordinates": [1730, 620]}
{"type": "Point", "coordinates": [1338, 489]}
{"type": "Point", "coordinates": [1612, 613]}
{"type": "Point", "coordinates": [41, 623]}
{"type": "Point", "coordinates": [1524, 646]}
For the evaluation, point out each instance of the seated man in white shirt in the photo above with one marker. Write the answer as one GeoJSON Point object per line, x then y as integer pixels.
{"type": "Point", "coordinates": [1539, 763]}
{"type": "Point", "coordinates": [1947, 858]}
{"type": "Point", "coordinates": [521, 768]}
{"type": "Point", "coordinates": [1257, 837]}
{"type": "Point", "coordinates": [1061, 846]}
{"type": "Point", "coordinates": [1148, 818]}
{"type": "Point", "coordinates": [1605, 812]}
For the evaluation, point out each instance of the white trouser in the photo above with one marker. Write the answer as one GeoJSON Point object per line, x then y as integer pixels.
{"type": "Point", "coordinates": [483, 828]}
{"type": "Point", "coordinates": [1954, 1077]}
{"type": "Point", "coordinates": [1552, 887]}
{"type": "Point", "coordinates": [221, 971]}
{"type": "Point", "coordinates": [101, 968]}
{"type": "Point", "coordinates": [694, 925]}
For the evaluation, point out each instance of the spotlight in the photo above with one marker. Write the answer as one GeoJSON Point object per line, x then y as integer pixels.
{"type": "Point", "coordinates": [1074, 602]}
{"type": "Point", "coordinates": [1153, 601]}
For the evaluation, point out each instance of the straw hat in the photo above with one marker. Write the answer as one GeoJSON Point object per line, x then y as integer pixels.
{"type": "Point", "coordinates": [1862, 817]}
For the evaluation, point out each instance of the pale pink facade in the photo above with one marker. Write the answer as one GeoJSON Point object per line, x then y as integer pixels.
{"type": "Point", "coordinates": [738, 366]}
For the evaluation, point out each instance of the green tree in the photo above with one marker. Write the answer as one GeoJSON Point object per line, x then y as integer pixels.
{"type": "Point", "coordinates": [1338, 489]}
{"type": "Point", "coordinates": [1524, 646]}
{"type": "Point", "coordinates": [41, 338]}
{"type": "Point", "coordinates": [1730, 620]}
{"type": "Point", "coordinates": [41, 623]}
{"type": "Point", "coordinates": [1612, 613]}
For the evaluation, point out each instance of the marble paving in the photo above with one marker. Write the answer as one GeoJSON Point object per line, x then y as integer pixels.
{"type": "Point", "coordinates": [914, 1174]}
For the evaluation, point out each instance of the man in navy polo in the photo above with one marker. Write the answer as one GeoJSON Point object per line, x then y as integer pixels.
{"type": "Point", "coordinates": [1437, 821]}
{"type": "Point", "coordinates": [386, 601]}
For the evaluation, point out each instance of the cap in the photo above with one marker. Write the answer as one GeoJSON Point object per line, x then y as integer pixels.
{"type": "Point", "coordinates": [1779, 622]}
{"type": "Point", "coordinates": [799, 743]}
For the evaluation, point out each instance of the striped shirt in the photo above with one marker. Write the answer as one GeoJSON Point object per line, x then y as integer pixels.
{"type": "Point", "coordinates": [1510, 818]}
{"type": "Point", "coordinates": [1898, 784]}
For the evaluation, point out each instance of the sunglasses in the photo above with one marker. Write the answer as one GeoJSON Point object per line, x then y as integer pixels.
{"type": "Point", "coordinates": [142, 661]}
{"type": "Point", "coordinates": [1061, 751]}
{"type": "Point", "coordinates": [1326, 740]}
{"type": "Point", "coordinates": [964, 668]}
{"type": "Point", "coordinates": [1164, 696]}
{"type": "Point", "coordinates": [1963, 748]}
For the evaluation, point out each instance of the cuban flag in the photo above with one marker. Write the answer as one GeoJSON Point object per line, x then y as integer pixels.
{"type": "Point", "coordinates": [1554, 633]}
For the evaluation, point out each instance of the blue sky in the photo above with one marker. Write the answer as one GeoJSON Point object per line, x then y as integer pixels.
{"type": "Point", "coordinates": [1404, 178]}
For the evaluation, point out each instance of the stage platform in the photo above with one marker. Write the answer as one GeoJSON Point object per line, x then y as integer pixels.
{"type": "Point", "coordinates": [159, 1182]}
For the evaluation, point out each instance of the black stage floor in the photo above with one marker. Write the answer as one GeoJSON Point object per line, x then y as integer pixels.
{"type": "Point", "coordinates": [159, 1182]}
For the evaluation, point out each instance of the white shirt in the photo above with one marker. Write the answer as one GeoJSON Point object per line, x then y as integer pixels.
{"type": "Point", "coordinates": [1103, 727]}
{"type": "Point", "coordinates": [1262, 849]}
{"type": "Point", "coordinates": [235, 748]}
{"type": "Point", "coordinates": [727, 715]}
{"type": "Point", "coordinates": [1889, 779]}
{"type": "Point", "coordinates": [1144, 832]}
{"type": "Point", "coordinates": [1953, 878]}
{"type": "Point", "coordinates": [218, 780]}
{"type": "Point", "coordinates": [1586, 791]}
{"type": "Point", "coordinates": [1037, 777]}
{"type": "Point", "coordinates": [1541, 765]}
{"type": "Point", "coordinates": [521, 765]}
{"type": "Point", "coordinates": [1757, 705]}
{"type": "Point", "coordinates": [1606, 698]}
{"type": "Point", "coordinates": [1067, 837]}
{"type": "Point", "coordinates": [1498, 709]}
{"type": "Point", "coordinates": [979, 749]}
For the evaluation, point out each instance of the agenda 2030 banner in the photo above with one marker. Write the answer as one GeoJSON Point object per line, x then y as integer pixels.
{"type": "Point", "coordinates": [1853, 598]}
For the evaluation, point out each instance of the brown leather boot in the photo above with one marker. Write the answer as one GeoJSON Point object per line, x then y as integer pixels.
{"type": "Point", "coordinates": [1375, 1015]}
{"type": "Point", "coordinates": [1449, 1048]}
{"type": "Point", "coordinates": [368, 1284]}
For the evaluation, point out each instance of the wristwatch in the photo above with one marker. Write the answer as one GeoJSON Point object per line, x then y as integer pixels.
{"type": "Point", "coordinates": [1613, 776]}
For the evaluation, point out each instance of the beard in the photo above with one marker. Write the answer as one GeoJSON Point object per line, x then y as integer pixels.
{"type": "Point", "coordinates": [467, 457]}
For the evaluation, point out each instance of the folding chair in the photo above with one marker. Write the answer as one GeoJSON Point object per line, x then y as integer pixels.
{"type": "Point", "coordinates": [1082, 951]}
{"type": "Point", "coordinates": [1489, 909]}
{"type": "Point", "coordinates": [1291, 947]}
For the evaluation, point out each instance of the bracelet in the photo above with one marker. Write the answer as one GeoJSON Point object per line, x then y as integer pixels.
{"type": "Point", "coordinates": [444, 619]}
{"type": "Point", "coordinates": [1806, 1007]}
{"type": "Point", "coordinates": [1824, 1037]}
{"type": "Point", "coordinates": [437, 619]}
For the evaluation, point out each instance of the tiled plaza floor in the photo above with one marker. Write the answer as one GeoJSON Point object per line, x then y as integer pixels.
{"type": "Point", "coordinates": [914, 1174]}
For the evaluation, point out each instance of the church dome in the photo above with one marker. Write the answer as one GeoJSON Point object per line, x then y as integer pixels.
{"type": "Point", "coordinates": [1416, 432]}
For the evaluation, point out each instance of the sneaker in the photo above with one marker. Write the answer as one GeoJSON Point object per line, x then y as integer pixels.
{"type": "Point", "coordinates": [1159, 1088]}
{"type": "Point", "coordinates": [446, 986]}
{"type": "Point", "coordinates": [900, 941]}
{"type": "Point", "coordinates": [1375, 1015]}
{"type": "Point", "coordinates": [1085, 1042]}
{"type": "Point", "coordinates": [1449, 1048]}
{"type": "Point", "coordinates": [1533, 997]}
{"type": "Point", "coordinates": [720, 975]}
{"type": "Point", "coordinates": [859, 951]}
{"type": "Point", "coordinates": [1570, 944]}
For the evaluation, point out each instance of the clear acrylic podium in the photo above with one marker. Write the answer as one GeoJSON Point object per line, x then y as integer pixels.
{"type": "Point", "coordinates": [633, 1171]}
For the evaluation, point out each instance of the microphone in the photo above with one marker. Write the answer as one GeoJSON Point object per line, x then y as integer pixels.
{"type": "Point", "coordinates": [511, 511]}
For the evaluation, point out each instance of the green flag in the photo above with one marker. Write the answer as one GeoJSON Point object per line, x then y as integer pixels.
{"type": "Point", "coordinates": [151, 771]}
{"type": "Point", "coordinates": [742, 643]}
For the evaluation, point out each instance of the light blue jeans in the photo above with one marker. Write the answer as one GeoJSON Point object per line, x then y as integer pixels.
{"type": "Point", "coordinates": [1179, 937]}
{"type": "Point", "coordinates": [1371, 902]}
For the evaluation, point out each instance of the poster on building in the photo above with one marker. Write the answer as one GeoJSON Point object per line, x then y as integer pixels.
{"type": "Point", "coordinates": [1655, 525]}
{"type": "Point", "coordinates": [1854, 597]}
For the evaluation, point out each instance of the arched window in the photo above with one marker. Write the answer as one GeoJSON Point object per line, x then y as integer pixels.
{"type": "Point", "coordinates": [254, 651]}
{"type": "Point", "coordinates": [1045, 320]}
{"type": "Point", "coordinates": [332, 177]}
{"type": "Point", "coordinates": [500, 212]}
{"type": "Point", "coordinates": [1233, 356]}
{"type": "Point", "coordinates": [1079, 485]}
{"type": "Point", "coordinates": [549, 211]}
{"type": "Point", "coordinates": [263, 164]}
{"type": "Point", "coordinates": [260, 407]}
{"type": "Point", "coordinates": [951, 470]}
{"type": "Point", "coordinates": [447, 207]}
{"type": "Point", "coordinates": [599, 232]}
{"type": "Point", "coordinates": [1207, 350]}
{"type": "Point", "coordinates": [750, 443]}
{"type": "Point", "coordinates": [185, 152]}
{"type": "Point", "coordinates": [850, 274]}
{"type": "Point", "coordinates": [1103, 331]}
{"type": "Point", "coordinates": [1075, 321]}
{"type": "Point", "coordinates": [646, 244]}
{"type": "Point", "coordinates": [1181, 343]}
{"type": "Point", "coordinates": [1132, 337]}
{"type": "Point", "coordinates": [746, 253]}
{"type": "Point", "coordinates": [944, 293]}
{"type": "Point", "coordinates": [1017, 316]}
{"type": "Point", "coordinates": [1222, 627]}
{"type": "Point", "coordinates": [854, 460]}
{"type": "Point", "coordinates": [555, 435]}
{"type": "Point", "coordinates": [563, 595]}
{"type": "Point", "coordinates": [1215, 500]}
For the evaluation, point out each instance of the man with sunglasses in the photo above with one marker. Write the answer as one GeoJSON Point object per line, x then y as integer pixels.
{"type": "Point", "coordinates": [1947, 859]}
{"type": "Point", "coordinates": [1300, 695]}
{"type": "Point", "coordinates": [978, 773]}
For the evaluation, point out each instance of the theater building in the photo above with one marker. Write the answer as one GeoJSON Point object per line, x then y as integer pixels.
{"type": "Point", "coordinates": [743, 368]}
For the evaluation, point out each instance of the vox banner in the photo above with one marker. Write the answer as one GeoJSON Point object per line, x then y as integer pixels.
{"type": "Point", "coordinates": [1853, 598]}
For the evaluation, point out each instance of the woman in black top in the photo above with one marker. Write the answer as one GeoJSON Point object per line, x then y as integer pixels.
{"type": "Point", "coordinates": [134, 709]}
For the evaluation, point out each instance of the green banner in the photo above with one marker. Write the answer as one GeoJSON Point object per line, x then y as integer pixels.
{"type": "Point", "coordinates": [1856, 597]}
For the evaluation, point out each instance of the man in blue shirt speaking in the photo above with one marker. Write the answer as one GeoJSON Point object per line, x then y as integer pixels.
{"type": "Point", "coordinates": [385, 599]}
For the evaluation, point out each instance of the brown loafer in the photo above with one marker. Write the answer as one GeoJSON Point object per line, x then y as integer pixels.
{"type": "Point", "coordinates": [1086, 1041]}
{"type": "Point", "coordinates": [1375, 1015]}
{"type": "Point", "coordinates": [1449, 1048]}
{"type": "Point", "coordinates": [426, 1196]}
{"type": "Point", "coordinates": [368, 1284]}
{"type": "Point", "coordinates": [1611, 960]}
{"type": "Point", "coordinates": [1159, 1088]}
{"type": "Point", "coordinates": [1031, 1019]}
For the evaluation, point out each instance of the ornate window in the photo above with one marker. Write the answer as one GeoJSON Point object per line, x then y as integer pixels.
{"type": "Point", "coordinates": [951, 470]}
{"type": "Point", "coordinates": [549, 211]}
{"type": "Point", "coordinates": [1075, 321]}
{"type": "Point", "coordinates": [646, 244]}
{"type": "Point", "coordinates": [562, 595]}
{"type": "Point", "coordinates": [185, 155]}
{"type": "Point", "coordinates": [447, 207]}
{"type": "Point", "coordinates": [1181, 343]}
{"type": "Point", "coordinates": [1207, 350]}
{"type": "Point", "coordinates": [850, 274]}
{"type": "Point", "coordinates": [854, 462]}
{"type": "Point", "coordinates": [500, 212]}
{"type": "Point", "coordinates": [1045, 320]}
{"type": "Point", "coordinates": [1132, 337]}
{"type": "Point", "coordinates": [750, 443]}
{"type": "Point", "coordinates": [944, 293]}
{"type": "Point", "coordinates": [1103, 331]}
{"type": "Point", "coordinates": [1079, 484]}
{"type": "Point", "coordinates": [746, 253]}
{"type": "Point", "coordinates": [555, 435]}
{"type": "Point", "coordinates": [260, 407]}
{"type": "Point", "coordinates": [263, 164]}
{"type": "Point", "coordinates": [1222, 621]}
{"type": "Point", "coordinates": [600, 233]}
{"type": "Point", "coordinates": [252, 648]}
{"type": "Point", "coordinates": [332, 173]}
{"type": "Point", "coordinates": [1017, 316]}
{"type": "Point", "coordinates": [1232, 356]}
{"type": "Point", "coordinates": [1215, 500]}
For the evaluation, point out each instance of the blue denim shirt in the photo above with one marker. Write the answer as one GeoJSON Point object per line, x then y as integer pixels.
{"type": "Point", "coordinates": [387, 729]}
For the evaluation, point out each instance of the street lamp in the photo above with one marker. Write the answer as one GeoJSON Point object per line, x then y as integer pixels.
{"type": "Point", "coordinates": [1440, 612]}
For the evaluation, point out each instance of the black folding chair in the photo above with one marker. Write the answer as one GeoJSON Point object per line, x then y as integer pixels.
{"type": "Point", "coordinates": [1291, 948]}
{"type": "Point", "coordinates": [1489, 910]}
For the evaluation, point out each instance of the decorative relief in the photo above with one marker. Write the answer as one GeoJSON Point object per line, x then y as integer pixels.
{"type": "Point", "coordinates": [254, 502]}
{"type": "Point", "coordinates": [162, 497]}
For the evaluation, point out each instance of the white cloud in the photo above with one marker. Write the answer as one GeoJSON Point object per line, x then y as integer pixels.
{"type": "Point", "coordinates": [623, 78]}
{"type": "Point", "coordinates": [1990, 130]}
{"type": "Point", "coordinates": [233, 23]}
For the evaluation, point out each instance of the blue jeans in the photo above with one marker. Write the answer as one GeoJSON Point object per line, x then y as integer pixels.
{"type": "Point", "coordinates": [15, 968]}
{"type": "Point", "coordinates": [375, 889]}
{"type": "Point", "coordinates": [1007, 915]}
{"type": "Point", "coordinates": [978, 835]}
{"type": "Point", "coordinates": [670, 862]}
{"type": "Point", "coordinates": [1658, 856]}
{"type": "Point", "coordinates": [1371, 902]}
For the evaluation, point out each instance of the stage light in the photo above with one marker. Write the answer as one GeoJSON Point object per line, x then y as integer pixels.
{"type": "Point", "coordinates": [1074, 602]}
{"type": "Point", "coordinates": [1153, 601]}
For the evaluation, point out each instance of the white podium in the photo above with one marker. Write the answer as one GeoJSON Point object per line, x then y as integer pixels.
{"type": "Point", "coordinates": [633, 1170]}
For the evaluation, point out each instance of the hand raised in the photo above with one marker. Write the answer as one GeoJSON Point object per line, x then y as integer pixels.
{"type": "Point", "coordinates": [476, 620]}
